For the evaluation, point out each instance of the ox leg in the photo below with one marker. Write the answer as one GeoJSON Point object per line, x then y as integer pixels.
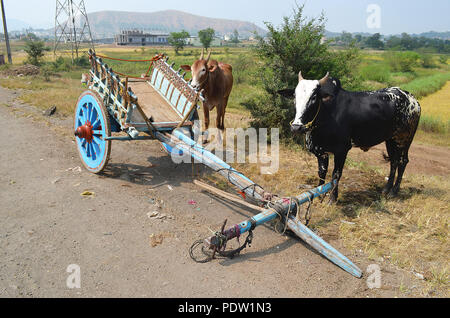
{"type": "Point", "coordinates": [404, 160]}
{"type": "Point", "coordinates": [224, 110]}
{"type": "Point", "coordinates": [219, 124]}
{"type": "Point", "coordinates": [323, 168]}
{"type": "Point", "coordinates": [339, 161]}
{"type": "Point", "coordinates": [206, 113]}
{"type": "Point", "coordinates": [393, 153]}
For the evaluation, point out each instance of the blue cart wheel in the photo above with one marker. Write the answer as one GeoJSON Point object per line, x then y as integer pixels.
{"type": "Point", "coordinates": [91, 127]}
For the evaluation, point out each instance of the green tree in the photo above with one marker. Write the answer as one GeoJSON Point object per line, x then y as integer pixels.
{"type": "Point", "coordinates": [375, 42]}
{"type": "Point", "coordinates": [295, 46]}
{"type": "Point", "coordinates": [178, 40]}
{"type": "Point", "coordinates": [36, 51]}
{"type": "Point", "coordinates": [346, 38]}
{"type": "Point", "coordinates": [235, 37]}
{"type": "Point", "coordinates": [32, 37]}
{"type": "Point", "coordinates": [206, 37]}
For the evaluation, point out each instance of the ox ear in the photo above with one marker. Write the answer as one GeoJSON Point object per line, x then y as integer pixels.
{"type": "Point", "coordinates": [326, 98]}
{"type": "Point", "coordinates": [287, 93]}
{"type": "Point", "coordinates": [186, 67]}
{"type": "Point", "coordinates": [326, 94]}
{"type": "Point", "coordinates": [212, 68]}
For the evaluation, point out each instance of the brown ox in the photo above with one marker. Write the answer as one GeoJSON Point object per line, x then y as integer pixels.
{"type": "Point", "coordinates": [216, 79]}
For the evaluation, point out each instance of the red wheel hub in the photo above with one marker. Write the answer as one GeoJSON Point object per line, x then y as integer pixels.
{"type": "Point", "coordinates": [85, 132]}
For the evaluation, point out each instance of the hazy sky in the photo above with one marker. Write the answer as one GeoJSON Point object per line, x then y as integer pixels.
{"type": "Point", "coordinates": [412, 16]}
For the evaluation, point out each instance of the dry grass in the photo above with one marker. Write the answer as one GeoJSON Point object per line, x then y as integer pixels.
{"type": "Point", "coordinates": [438, 104]}
{"type": "Point", "coordinates": [60, 92]}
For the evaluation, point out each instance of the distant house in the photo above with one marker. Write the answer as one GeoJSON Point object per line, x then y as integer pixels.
{"type": "Point", "coordinates": [140, 38]}
{"type": "Point", "coordinates": [195, 41]}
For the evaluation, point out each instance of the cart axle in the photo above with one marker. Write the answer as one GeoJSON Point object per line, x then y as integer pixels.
{"type": "Point", "coordinates": [85, 132]}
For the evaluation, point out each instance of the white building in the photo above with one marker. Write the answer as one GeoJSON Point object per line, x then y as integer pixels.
{"type": "Point", "coordinates": [139, 38]}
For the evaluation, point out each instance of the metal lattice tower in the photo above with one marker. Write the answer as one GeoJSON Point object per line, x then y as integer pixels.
{"type": "Point", "coordinates": [71, 27]}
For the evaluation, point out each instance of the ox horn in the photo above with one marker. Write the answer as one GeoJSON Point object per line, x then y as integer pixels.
{"type": "Point", "coordinates": [203, 54]}
{"type": "Point", "coordinates": [209, 56]}
{"type": "Point", "coordinates": [300, 77]}
{"type": "Point", "coordinates": [325, 79]}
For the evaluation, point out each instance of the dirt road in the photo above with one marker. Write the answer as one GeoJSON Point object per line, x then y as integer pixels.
{"type": "Point", "coordinates": [46, 225]}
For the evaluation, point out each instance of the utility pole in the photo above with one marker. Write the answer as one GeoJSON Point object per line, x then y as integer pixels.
{"type": "Point", "coordinates": [71, 26]}
{"type": "Point", "coordinates": [5, 30]}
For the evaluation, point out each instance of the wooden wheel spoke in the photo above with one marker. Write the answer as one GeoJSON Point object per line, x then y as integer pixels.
{"type": "Point", "coordinates": [97, 123]}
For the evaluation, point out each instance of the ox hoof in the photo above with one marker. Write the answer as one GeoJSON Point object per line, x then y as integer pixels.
{"type": "Point", "coordinates": [386, 191]}
{"type": "Point", "coordinates": [393, 193]}
{"type": "Point", "coordinates": [332, 201]}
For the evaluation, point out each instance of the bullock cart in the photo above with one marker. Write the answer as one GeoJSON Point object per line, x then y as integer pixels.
{"type": "Point", "coordinates": [161, 105]}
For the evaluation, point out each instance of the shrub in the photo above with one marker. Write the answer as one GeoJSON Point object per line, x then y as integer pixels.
{"type": "Point", "coordinates": [402, 61]}
{"type": "Point", "coordinates": [61, 65]}
{"type": "Point", "coordinates": [36, 51]}
{"type": "Point", "coordinates": [82, 61]}
{"type": "Point", "coordinates": [443, 59]}
{"type": "Point", "coordinates": [427, 61]}
{"type": "Point", "coordinates": [46, 72]}
{"type": "Point", "coordinates": [295, 45]}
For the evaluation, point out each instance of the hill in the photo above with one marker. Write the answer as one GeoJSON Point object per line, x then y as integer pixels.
{"type": "Point", "coordinates": [17, 25]}
{"type": "Point", "coordinates": [108, 23]}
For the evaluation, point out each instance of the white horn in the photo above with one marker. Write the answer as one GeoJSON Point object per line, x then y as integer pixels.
{"type": "Point", "coordinates": [325, 79]}
{"type": "Point", "coordinates": [203, 54]}
{"type": "Point", "coordinates": [300, 77]}
{"type": "Point", "coordinates": [209, 56]}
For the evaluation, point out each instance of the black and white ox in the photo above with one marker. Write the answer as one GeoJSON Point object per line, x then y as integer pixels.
{"type": "Point", "coordinates": [335, 120]}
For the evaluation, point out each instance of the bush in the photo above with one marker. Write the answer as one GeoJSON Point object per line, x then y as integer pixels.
{"type": "Point", "coordinates": [427, 61]}
{"type": "Point", "coordinates": [82, 61]}
{"type": "Point", "coordinates": [46, 72]}
{"type": "Point", "coordinates": [376, 72]}
{"type": "Point", "coordinates": [402, 61]}
{"type": "Point", "coordinates": [443, 59]}
{"type": "Point", "coordinates": [61, 65]}
{"type": "Point", "coordinates": [36, 51]}
{"type": "Point", "coordinates": [295, 45]}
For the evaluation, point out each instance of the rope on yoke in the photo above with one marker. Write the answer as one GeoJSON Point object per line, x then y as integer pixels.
{"type": "Point", "coordinates": [308, 213]}
{"type": "Point", "coordinates": [157, 57]}
{"type": "Point", "coordinates": [219, 244]}
{"type": "Point", "coordinates": [241, 192]}
{"type": "Point", "coordinates": [152, 60]}
{"type": "Point", "coordinates": [231, 254]}
{"type": "Point", "coordinates": [220, 249]}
